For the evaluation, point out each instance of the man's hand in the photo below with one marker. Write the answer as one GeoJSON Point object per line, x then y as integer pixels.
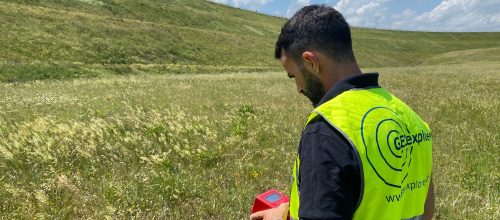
{"type": "Point", "coordinates": [278, 213]}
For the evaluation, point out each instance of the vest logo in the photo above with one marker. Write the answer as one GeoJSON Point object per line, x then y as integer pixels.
{"type": "Point", "coordinates": [390, 144]}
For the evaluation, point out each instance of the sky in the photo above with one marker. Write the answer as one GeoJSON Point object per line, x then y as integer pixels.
{"type": "Point", "coordinates": [416, 15]}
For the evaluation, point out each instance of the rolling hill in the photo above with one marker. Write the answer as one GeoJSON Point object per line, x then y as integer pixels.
{"type": "Point", "coordinates": [89, 38]}
{"type": "Point", "coordinates": [163, 144]}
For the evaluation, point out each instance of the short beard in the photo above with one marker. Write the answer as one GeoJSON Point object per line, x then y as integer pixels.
{"type": "Point", "coordinates": [314, 89]}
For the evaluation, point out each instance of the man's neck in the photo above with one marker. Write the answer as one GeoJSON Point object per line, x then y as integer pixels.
{"type": "Point", "coordinates": [340, 72]}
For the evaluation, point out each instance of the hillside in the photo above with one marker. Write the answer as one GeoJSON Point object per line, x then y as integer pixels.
{"type": "Point", "coordinates": [473, 55]}
{"type": "Point", "coordinates": [88, 38]}
{"type": "Point", "coordinates": [383, 48]}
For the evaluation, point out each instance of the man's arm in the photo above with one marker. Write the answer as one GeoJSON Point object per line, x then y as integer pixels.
{"type": "Point", "coordinates": [329, 177]}
{"type": "Point", "coordinates": [429, 203]}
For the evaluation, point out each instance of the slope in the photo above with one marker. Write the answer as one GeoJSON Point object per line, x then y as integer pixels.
{"type": "Point", "coordinates": [383, 48]}
{"type": "Point", "coordinates": [59, 39]}
{"type": "Point", "coordinates": [489, 55]}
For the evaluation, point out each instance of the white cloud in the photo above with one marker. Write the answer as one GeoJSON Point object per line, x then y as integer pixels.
{"type": "Point", "coordinates": [366, 13]}
{"type": "Point", "coordinates": [241, 3]}
{"type": "Point", "coordinates": [449, 15]}
{"type": "Point", "coordinates": [251, 3]}
{"type": "Point", "coordinates": [220, 1]}
{"type": "Point", "coordinates": [458, 15]}
{"type": "Point", "coordinates": [295, 5]}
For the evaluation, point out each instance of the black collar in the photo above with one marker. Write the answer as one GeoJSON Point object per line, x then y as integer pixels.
{"type": "Point", "coordinates": [362, 81]}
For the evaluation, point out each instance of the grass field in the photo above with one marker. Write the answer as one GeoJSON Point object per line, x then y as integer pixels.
{"type": "Point", "coordinates": [65, 39]}
{"type": "Point", "coordinates": [201, 146]}
{"type": "Point", "coordinates": [120, 109]}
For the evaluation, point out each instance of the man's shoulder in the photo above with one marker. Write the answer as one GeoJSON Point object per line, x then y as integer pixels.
{"type": "Point", "coordinates": [320, 134]}
{"type": "Point", "coordinates": [321, 127]}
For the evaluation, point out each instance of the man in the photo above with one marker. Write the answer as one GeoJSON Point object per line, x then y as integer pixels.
{"type": "Point", "coordinates": [363, 154]}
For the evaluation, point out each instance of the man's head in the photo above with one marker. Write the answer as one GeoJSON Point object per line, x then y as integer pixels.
{"type": "Point", "coordinates": [312, 46]}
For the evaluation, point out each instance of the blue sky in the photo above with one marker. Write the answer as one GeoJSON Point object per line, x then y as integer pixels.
{"type": "Point", "coordinates": [420, 15]}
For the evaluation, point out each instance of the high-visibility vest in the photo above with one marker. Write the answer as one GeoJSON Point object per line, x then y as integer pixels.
{"type": "Point", "coordinates": [394, 146]}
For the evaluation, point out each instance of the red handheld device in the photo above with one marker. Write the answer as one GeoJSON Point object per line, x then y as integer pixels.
{"type": "Point", "coordinates": [270, 199]}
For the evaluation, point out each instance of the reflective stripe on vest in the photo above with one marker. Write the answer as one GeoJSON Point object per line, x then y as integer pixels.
{"type": "Point", "coordinates": [394, 147]}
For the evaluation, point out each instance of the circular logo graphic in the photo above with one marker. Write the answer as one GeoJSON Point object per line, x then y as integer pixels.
{"type": "Point", "coordinates": [388, 144]}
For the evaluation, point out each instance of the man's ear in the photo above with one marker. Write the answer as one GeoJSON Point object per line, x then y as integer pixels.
{"type": "Point", "coordinates": [311, 62]}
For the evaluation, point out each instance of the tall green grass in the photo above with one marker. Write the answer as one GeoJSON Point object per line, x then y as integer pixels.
{"type": "Point", "coordinates": [202, 146]}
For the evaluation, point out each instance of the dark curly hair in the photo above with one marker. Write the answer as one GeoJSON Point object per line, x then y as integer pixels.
{"type": "Point", "coordinates": [316, 27]}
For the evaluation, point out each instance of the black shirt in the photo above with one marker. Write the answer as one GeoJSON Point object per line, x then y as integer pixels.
{"type": "Point", "coordinates": [330, 180]}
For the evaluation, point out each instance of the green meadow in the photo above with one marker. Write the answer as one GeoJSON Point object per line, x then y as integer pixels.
{"type": "Point", "coordinates": [161, 110]}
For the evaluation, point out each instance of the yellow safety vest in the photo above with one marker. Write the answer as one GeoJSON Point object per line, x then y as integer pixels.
{"type": "Point", "coordinates": [394, 146]}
